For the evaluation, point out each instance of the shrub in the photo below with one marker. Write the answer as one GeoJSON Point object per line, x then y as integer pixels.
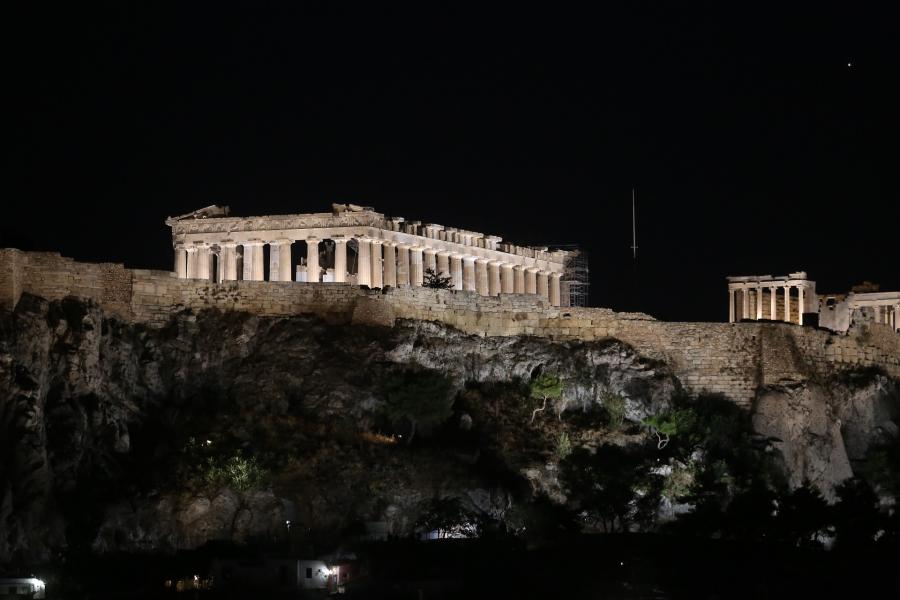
{"type": "Point", "coordinates": [237, 472]}
{"type": "Point", "coordinates": [616, 407]}
{"type": "Point", "coordinates": [563, 445]}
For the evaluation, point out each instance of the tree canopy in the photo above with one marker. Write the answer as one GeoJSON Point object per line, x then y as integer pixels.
{"type": "Point", "coordinates": [545, 387]}
{"type": "Point", "coordinates": [420, 395]}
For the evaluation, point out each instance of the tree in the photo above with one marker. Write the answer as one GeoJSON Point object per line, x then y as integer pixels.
{"type": "Point", "coordinates": [545, 387]}
{"type": "Point", "coordinates": [665, 425]}
{"type": "Point", "coordinates": [436, 281]}
{"type": "Point", "coordinates": [449, 519]}
{"type": "Point", "coordinates": [420, 395]}
{"type": "Point", "coordinates": [612, 487]}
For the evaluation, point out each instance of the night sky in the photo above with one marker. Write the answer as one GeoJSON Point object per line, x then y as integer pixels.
{"type": "Point", "coordinates": [759, 141]}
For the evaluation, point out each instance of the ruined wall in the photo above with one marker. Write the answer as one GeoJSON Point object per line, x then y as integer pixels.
{"type": "Point", "coordinates": [731, 359]}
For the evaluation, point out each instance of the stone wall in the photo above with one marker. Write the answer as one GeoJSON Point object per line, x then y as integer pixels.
{"type": "Point", "coordinates": [731, 359]}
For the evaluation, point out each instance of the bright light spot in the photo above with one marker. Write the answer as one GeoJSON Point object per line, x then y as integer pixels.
{"type": "Point", "coordinates": [209, 441]}
{"type": "Point", "coordinates": [399, 436]}
{"type": "Point", "coordinates": [848, 64]}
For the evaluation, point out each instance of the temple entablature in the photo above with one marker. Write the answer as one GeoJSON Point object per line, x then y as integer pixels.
{"type": "Point", "coordinates": [387, 251]}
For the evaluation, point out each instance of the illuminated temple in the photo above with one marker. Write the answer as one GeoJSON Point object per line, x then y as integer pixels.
{"type": "Point", "coordinates": [356, 245]}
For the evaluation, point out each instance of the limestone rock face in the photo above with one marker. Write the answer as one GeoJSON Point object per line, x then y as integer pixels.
{"type": "Point", "coordinates": [77, 390]}
{"type": "Point", "coordinates": [820, 429]}
{"type": "Point", "coordinates": [81, 395]}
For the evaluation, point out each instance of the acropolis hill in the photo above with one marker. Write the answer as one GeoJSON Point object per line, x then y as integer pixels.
{"type": "Point", "coordinates": [498, 290]}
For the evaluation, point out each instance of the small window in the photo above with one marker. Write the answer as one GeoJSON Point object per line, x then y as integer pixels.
{"type": "Point", "coordinates": [309, 572]}
{"type": "Point", "coordinates": [344, 575]}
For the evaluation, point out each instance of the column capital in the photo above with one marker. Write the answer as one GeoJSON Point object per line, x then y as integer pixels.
{"type": "Point", "coordinates": [430, 250]}
{"type": "Point", "coordinates": [444, 253]}
{"type": "Point", "coordinates": [531, 269]}
{"type": "Point", "coordinates": [255, 244]}
{"type": "Point", "coordinates": [312, 238]}
{"type": "Point", "coordinates": [555, 274]}
{"type": "Point", "coordinates": [519, 267]}
{"type": "Point", "coordinates": [191, 248]}
{"type": "Point", "coordinates": [376, 240]}
{"type": "Point", "coordinates": [339, 240]}
{"type": "Point", "coordinates": [494, 261]}
{"type": "Point", "coordinates": [481, 261]}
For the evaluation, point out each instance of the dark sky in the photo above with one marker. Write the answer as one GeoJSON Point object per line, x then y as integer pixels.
{"type": "Point", "coordinates": [753, 146]}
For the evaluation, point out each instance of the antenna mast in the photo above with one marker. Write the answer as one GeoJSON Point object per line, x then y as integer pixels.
{"type": "Point", "coordinates": [633, 226]}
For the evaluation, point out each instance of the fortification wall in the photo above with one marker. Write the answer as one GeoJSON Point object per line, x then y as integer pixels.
{"type": "Point", "coordinates": [733, 359]}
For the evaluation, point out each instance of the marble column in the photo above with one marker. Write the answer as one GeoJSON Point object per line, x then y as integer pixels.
{"type": "Point", "coordinates": [745, 308]}
{"type": "Point", "coordinates": [481, 276]}
{"type": "Point", "coordinates": [416, 274]}
{"type": "Point", "coordinates": [403, 264]}
{"type": "Point", "coordinates": [284, 272]}
{"type": "Point", "coordinates": [191, 269]}
{"type": "Point", "coordinates": [519, 287]}
{"type": "Point", "coordinates": [340, 259]}
{"type": "Point", "coordinates": [543, 284]}
{"type": "Point", "coordinates": [469, 273]}
{"type": "Point", "coordinates": [554, 289]}
{"type": "Point", "coordinates": [730, 305]}
{"type": "Point", "coordinates": [507, 283]}
{"type": "Point", "coordinates": [274, 261]}
{"type": "Point", "coordinates": [430, 256]}
{"type": "Point", "coordinates": [228, 258]}
{"type": "Point", "coordinates": [247, 275]}
{"type": "Point", "coordinates": [531, 280]}
{"type": "Point", "coordinates": [494, 278]}
{"type": "Point", "coordinates": [219, 263]}
{"type": "Point", "coordinates": [773, 296]}
{"type": "Point", "coordinates": [787, 304]}
{"type": "Point", "coordinates": [181, 261]}
{"type": "Point", "coordinates": [390, 264]}
{"type": "Point", "coordinates": [443, 264]}
{"type": "Point", "coordinates": [759, 297]}
{"type": "Point", "coordinates": [377, 274]}
{"type": "Point", "coordinates": [258, 262]}
{"type": "Point", "coordinates": [801, 305]}
{"type": "Point", "coordinates": [364, 270]}
{"type": "Point", "coordinates": [896, 324]}
{"type": "Point", "coordinates": [312, 260]}
{"type": "Point", "coordinates": [456, 271]}
{"type": "Point", "coordinates": [202, 262]}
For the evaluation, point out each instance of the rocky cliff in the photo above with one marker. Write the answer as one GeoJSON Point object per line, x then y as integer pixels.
{"type": "Point", "coordinates": [108, 430]}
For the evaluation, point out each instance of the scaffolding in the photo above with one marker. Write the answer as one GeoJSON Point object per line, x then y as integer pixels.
{"type": "Point", "coordinates": [574, 283]}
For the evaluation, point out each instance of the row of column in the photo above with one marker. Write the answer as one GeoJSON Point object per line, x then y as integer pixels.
{"type": "Point", "coordinates": [773, 290]}
{"type": "Point", "coordinates": [398, 264]}
{"type": "Point", "coordinates": [405, 264]}
{"type": "Point", "coordinates": [889, 315]}
{"type": "Point", "coordinates": [196, 261]}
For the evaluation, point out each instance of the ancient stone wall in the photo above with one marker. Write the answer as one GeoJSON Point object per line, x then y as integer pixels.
{"type": "Point", "coordinates": [733, 359]}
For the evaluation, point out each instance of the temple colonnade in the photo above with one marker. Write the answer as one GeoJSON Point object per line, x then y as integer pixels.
{"type": "Point", "coordinates": [389, 252]}
{"type": "Point", "coordinates": [748, 298]}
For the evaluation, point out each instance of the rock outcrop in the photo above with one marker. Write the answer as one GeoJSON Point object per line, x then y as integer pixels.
{"type": "Point", "coordinates": [88, 406]}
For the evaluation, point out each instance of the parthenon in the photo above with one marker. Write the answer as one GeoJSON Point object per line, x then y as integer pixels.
{"type": "Point", "coordinates": [390, 251]}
